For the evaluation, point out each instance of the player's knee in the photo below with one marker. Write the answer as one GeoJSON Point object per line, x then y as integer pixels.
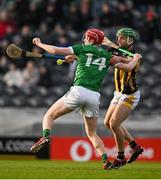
{"type": "Point", "coordinates": [106, 124]}
{"type": "Point", "coordinates": [113, 125]}
{"type": "Point", "coordinates": [49, 116]}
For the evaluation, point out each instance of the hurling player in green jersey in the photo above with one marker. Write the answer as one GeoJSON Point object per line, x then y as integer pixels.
{"type": "Point", "coordinates": [93, 62]}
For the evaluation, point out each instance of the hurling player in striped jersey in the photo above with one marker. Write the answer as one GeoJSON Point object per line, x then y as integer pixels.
{"type": "Point", "coordinates": [126, 98]}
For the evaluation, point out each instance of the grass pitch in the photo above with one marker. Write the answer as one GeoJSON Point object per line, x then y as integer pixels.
{"type": "Point", "coordinates": [45, 169]}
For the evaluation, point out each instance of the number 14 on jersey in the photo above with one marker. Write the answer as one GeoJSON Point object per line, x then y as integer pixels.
{"type": "Point", "coordinates": [100, 62]}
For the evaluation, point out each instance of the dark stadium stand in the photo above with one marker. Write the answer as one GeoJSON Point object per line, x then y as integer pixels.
{"type": "Point", "coordinates": [148, 79]}
{"type": "Point", "coordinates": [56, 80]}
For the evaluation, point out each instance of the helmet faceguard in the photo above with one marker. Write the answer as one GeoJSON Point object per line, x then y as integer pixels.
{"type": "Point", "coordinates": [129, 33]}
{"type": "Point", "coordinates": [96, 35]}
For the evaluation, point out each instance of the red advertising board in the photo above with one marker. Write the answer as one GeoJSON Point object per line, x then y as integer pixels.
{"type": "Point", "coordinates": [80, 149]}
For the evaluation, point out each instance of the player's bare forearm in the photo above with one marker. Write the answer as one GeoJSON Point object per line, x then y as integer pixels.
{"type": "Point", "coordinates": [118, 59]}
{"type": "Point", "coordinates": [52, 49]}
{"type": "Point", "coordinates": [128, 67]}
{"type": "Point", "coordinates": [49, 48]}
{"type": "Point", "coordinates": [126, 60]}
{"type": "Point", "coordinates": [122, 59]}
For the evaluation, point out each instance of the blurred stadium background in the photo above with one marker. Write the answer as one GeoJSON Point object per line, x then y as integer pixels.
{"type": "Point", "coordinates": [29, 86]}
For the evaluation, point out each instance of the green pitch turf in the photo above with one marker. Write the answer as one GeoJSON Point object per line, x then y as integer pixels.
{"type": "Point", "coordinates": [43, 169]}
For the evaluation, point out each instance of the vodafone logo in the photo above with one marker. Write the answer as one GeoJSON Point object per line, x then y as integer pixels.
{"type": "Point", "coordinates": [81, 151]}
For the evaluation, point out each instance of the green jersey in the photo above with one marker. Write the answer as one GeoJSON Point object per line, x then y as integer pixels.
{"type": "Point", "coordinates": [92, 66]}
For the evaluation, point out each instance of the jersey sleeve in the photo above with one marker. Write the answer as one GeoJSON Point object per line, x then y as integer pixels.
{"type": "Point", "coordinates": [77, 49]}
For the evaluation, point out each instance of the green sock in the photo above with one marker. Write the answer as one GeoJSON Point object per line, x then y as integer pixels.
{"type": "Point", "coordinates": [46, 132]}
{"type": "Point", "coordinates": [104, 158]}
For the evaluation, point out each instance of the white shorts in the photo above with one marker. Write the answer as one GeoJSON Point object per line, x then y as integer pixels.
{"type": "Point", "coordinates": [130, 100]}
{"type": "Point", "coordinates": [86, 100]}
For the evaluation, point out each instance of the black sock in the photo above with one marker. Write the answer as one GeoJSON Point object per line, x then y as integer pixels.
{"type": "Point", "coordinates": [104, 158]}
{"type": "Point", "coordinates": [120, 155]}
{"type": "Point", "coordinates": [132, 144]}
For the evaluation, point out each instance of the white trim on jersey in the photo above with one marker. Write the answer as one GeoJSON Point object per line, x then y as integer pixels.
{"type": "Point", "coordinates": [72, 51]}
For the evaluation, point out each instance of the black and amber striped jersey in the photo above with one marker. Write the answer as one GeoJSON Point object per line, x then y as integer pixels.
{"type": "Point", "coordinates": [125, 82]}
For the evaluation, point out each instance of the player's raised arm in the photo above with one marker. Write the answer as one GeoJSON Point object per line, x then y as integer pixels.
{"type": "Point", "coordinates": [129, 66]}
{"type": "Point", "coordinates": [123, 59]}
{"type": "Point", "coordinates": [52, 49]}
{"type": "Point", "coordinates": [119, 59]}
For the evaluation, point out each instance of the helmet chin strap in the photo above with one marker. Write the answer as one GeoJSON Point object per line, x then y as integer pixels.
{"type": "Point", "coordinates": [128, 41]}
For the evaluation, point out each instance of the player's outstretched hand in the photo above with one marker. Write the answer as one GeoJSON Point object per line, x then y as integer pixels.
{"type": "Point", "coordinates": [70, 58]}
{"type": "Point", "coordinates": [36, 41]}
